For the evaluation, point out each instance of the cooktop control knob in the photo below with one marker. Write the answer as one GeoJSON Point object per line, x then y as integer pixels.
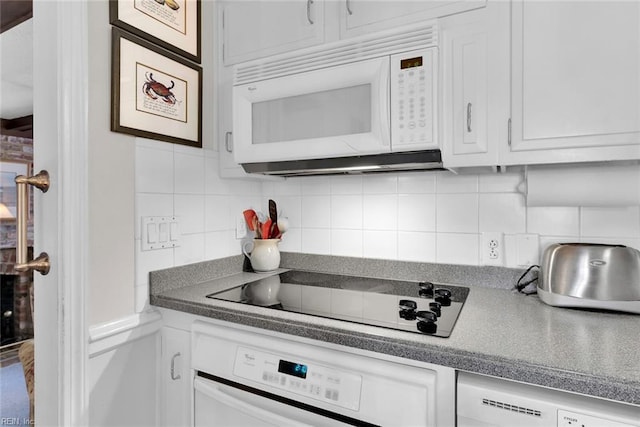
{"type": "Point", "coordinates": [426, 289]}
{"type": "Point", "coordinates": [426, 316]}
{"type": "Point", "coordinates": [435, 307]}
{"type": "Point", "coordinates": [427, 327]}
{"type": "Point", "coordinates": [443, 296]}
{"type": "Point", "coordinates": [407, 309]}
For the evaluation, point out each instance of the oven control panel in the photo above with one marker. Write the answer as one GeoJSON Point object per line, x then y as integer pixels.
{"type": "Point", "coordinates": [300, 377]}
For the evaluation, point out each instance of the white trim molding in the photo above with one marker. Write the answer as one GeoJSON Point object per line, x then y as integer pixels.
{"type": "Point", "coordinates": [61, 88]}
{"type": "Point", "coordinates": [110, 335]}
{"type": "Point", "coordinates": [73, 132]}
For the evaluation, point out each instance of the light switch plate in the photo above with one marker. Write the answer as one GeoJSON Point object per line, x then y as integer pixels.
{"type": "Point", "coordinates": [160, 232]}
{"type": "Point", "coordinates": [241, 227]}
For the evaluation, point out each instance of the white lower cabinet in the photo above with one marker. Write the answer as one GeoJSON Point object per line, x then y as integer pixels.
{"type": "Point", "coordinates": [221, 348]}
{"type": "Point", "coordinates": [176, 378]}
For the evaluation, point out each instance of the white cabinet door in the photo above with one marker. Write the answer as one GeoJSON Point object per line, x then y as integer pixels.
{"type": "Point", "coordinates": [575, 81]}
{"type": "Point", "coordinates": [258, 28]}
{"type": "Point", "coordinates": [224, 132]}
{"type": "Point", "coordinates": [176, 378]}
{"type": "Point", "coordinates": [475, 55]}
{"type": "Point", "coordinates": [365, 16]}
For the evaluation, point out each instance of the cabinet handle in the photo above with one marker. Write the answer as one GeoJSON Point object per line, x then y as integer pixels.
{"type": "Point", "coordinates": [228, 143]}
{"type": "Point", "coordinates": [309, 3]}
{"type": "Point", "coordinates": [469, 117]}
{"type": "Point", "coordinates": [348, 2]}
{"type": "Point", "coordinates": [173, 366]}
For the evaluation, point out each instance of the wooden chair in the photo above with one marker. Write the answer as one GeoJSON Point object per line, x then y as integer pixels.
{"type": "Point", "coordinates": [26, 356]}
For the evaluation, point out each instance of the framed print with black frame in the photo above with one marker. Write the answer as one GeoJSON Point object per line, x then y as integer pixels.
{"type": "Point", "coordinates": [171, 24]}
{"type": "Point", "coordinates": [154, 93]}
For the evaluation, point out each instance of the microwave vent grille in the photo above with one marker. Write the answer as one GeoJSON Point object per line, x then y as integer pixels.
{"type": "Point", "coordinates": [422, 36]}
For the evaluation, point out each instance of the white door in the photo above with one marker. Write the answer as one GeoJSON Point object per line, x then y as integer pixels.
{"type": "Point", "coordinates": [60, 91]}
{"type": "Point", "coordinates": [330, 112]}
{"type": "Point", "coordinates": [258, 28]}
{"type": "Point", "coordinates": [575, 86]}
{"type": "Point", "coordinates": [475, 51]}
{"type": "Point", "coordinates": [175, 377]}
{"type": "Point", "coordinates": [365, 16]}
{"type": "Point", "coordinates": [221, 405]}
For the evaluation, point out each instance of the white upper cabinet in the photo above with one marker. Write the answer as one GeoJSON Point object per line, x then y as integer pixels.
{"type": "Point", "coordinates": [474, 48]}
{"type": "Point", "coordinates": [364, 16]}
{"type": "Point", "coordinates": [575, 92]}
{"type": "Point", "coordinates": [224, 131]}
{"type": "Point", "coordinates": [259, 28]}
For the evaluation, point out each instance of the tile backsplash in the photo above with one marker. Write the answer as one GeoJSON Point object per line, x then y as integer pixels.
{"type": "Point", "coordinates": [419, 216]}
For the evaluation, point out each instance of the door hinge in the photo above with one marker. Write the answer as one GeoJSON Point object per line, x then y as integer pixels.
{"type": "Point", "coordinates": [509, 132]}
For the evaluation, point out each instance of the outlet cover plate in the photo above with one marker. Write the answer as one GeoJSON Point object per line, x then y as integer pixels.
{"type": "Point", "coordinates": [492, 250]}
{"type": "Point", "coordinates": [527, 250]}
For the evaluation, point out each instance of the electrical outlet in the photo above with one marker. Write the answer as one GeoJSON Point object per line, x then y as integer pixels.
{"type": "Point", "coordinates": [492, 248]}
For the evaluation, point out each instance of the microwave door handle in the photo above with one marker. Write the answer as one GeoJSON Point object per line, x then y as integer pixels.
{"type": "Point", "coordinates": [214, 392]}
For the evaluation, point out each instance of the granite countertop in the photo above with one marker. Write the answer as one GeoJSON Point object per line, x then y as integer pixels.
{"type": "Point", "coordinates": [499, 332]}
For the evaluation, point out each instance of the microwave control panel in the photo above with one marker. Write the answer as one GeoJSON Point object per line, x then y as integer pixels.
{"type": "Point", "coordinates": [413, 100]}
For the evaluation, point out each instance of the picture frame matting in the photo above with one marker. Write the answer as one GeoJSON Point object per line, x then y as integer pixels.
{"type": "Point", "coordinates": [174, 25]}
{"type": "Point", "coordinates": [155, 94]}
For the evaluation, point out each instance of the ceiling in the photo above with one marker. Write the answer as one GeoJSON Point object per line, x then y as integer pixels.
{"type": "Point", "coordinates": [16, 60]}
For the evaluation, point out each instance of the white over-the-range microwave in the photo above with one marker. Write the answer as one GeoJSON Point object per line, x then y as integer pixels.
{"type": "Point", "coordinates": [367, 104]}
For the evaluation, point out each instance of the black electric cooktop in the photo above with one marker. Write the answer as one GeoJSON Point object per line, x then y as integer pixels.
{"type": "Point", "coordinates": [420, 307]}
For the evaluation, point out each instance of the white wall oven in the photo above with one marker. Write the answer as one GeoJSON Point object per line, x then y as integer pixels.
{"type": "Point", "coordinates": [249, 378]}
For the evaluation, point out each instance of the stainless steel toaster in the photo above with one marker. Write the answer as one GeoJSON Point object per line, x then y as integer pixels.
{"type": "Point", "coordinates": [590, 275]}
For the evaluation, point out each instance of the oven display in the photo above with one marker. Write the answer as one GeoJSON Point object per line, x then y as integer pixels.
{"type": "Point", "coordinates": [411, 62]}
{"type": "Point", "coordinates": [290, 368]}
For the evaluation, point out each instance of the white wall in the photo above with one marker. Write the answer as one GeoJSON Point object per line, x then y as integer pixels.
{"type": "Point", "coordinates": [183, 181]}
{"type": "Point", "coordinates": [123, 384]}
{"type": "Point", "coordinates": [422, 216]}
{"type": "Point", "coordinates": [432, 216]}
{"type": "Point", "coordinates": [426, 216]}
{"type": "Point", "coordinates": [111, 193]}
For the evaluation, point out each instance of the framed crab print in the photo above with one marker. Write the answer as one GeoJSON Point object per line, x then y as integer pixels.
{"type": "Point", "coordinates": [154, 93]}
{"type": "Point", "coordinates": [171, 24]}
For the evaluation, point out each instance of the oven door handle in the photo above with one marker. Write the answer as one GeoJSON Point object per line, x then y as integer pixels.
{"type": "Point", "coordinates": [215, 393]}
